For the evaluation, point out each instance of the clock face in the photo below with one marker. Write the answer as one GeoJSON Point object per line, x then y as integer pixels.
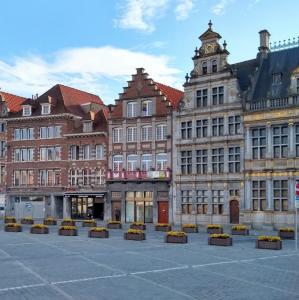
{"type": "Point", "coordinates": [209, 48]}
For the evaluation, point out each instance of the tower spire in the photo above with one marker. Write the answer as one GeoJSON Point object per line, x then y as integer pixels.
{"type": "Point", "coordinates": [210, 25]}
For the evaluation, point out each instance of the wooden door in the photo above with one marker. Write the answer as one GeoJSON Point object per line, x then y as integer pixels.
{"type": "Point", "coordinates": [234, 211]}
{"type": "Point", "coordinates": [116, 210]}
{"type": "Point", "coordinates": [162, 212]}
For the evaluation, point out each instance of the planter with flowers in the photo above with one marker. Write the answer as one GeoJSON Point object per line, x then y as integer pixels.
{"type": "Point", "coordinates": [134, 235]}
{"type": "Point", "coordinates": [98, 232]}
{"type": "Point", "coordinates": [190, 228]}
{"type": "Point", "coordinates": [10, 219]}
{"type": "Point", "coordinates": [179, 237]}
{"type": "Point", "coordinates": [220, 239]}
{"type": "Point", "coordinates": [89, 223]}
{"type": "Point", "coordinates": [162, 227]}
{"type": "Point", "coordinates": [114, 225]}
{"type": "Point", "coordinates": [39, 229]}
{"type": "Point", "coordinates": [269, 242]}
{"type": "Point", "coordinates": [286, 233]}
{"type": "Point", "coordinates": [214, 229]}
{"type": "Point", "coordinates": [13, 227]}
{"type": "Point", "coordinates": [138, 226]}
{"type": "Point", "coordinates": [27, 220]}
{"type": "Point", "coordinates": [68, 222]}
{"type": "Point", "coordinates": [240, 230]}
{"type": "Point", "coordinates": [68, 230]}
{"type": "Point", "coordinates": [50, 221]}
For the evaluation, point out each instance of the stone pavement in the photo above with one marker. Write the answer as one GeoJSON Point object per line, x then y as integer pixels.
{"type": "Point", "coordinates": [57, 267]}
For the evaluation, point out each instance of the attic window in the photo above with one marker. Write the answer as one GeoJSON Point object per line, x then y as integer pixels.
{"type": "Point", "coordinates": [26, 110]}
{"type": "Point", "coordinates": [87, 126]}
{"type": "Point", "coordinates": [46, 109]}
{"type": "Point", "coordinates": [276, 78]}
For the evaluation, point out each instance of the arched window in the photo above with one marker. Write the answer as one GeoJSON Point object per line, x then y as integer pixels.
{"type": "Point", "coordinates": [161, 161]}
{"type": "Point", "coordinates": [214, 66]}
{"type": "Point", "coordinates": [132, 162]}
{"type": "Point", "coordinates": [146, 162]}
{"type": "Point", "coordinates": [117, 163]}
{"type": "Point", "coordinates": [204, 68]}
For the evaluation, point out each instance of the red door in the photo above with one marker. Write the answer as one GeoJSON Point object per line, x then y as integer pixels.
{"type": "Point", "coordinates": [162, 212]}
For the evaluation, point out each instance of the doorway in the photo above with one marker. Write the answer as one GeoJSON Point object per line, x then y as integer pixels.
{"type": "Point", "coordinates": [116, 210]}
{"type": "Point", "coordinates": [162, 212]}
{"type": "Point", "coordinates": [98, 211]}
{"type": "Point", "coordinates": [234, 211]}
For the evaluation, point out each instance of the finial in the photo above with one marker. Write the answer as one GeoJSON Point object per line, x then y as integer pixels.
{"type": "Point", "coordinates": [210, 25]}
{"type": "Point", "coordinates": [224, 44]}
{"type": "Point", "coordinates": [187, 77]}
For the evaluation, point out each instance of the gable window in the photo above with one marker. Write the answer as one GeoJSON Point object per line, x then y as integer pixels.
{"type": "Point", "coordinates": [46, 109]}
{"type": "Point", "coordinates": [214, 66]}
{"type": "Point", "coordinates": [131, 109]}
{"type": "Point", "coordinates": [132, 162]}
{"type": "Point", "coordinates": [87, 126]}
{"type": "Point", "coordinates": [26, 110]}
{"type": "Point", "coordinates": [217, 95]}
{"type": "Point", "coordinates": [204, 68]}
{"type": "Point", "coordinates": [161, 132]}
{"type": "Point", "coordinates": [99, 151]}
{"type": "Point", "coordinates": [117, 135]}
{"type": "Point", "coordinates": [117, 162]}
{"type": "Point", "coordinates": [132, 134]}
{"type": "Point", "coordinates": [202, 98]}
{"type": "Point", "coordinates": [146, 108]}
{"type": "Point", "coordinates": [146, 133]}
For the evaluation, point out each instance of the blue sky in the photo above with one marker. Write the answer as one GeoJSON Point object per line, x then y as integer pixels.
{"type": "Point", "coordinates": [95, 45]}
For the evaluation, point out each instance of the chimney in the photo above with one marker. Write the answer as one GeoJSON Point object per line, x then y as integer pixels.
{"type": "Point", "coordinates": [264, 42]}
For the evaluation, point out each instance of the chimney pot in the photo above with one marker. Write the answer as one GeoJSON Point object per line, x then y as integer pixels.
{"type": "Point", "coordinates": [264, 41]}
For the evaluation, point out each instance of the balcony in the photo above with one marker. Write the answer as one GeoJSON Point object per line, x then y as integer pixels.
{"type": "Point", "coordinates": [138, 175]}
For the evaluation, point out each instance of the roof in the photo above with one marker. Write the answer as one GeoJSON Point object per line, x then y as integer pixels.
{"type": "Point", "coordinates": [14, 103]}
{"type": "Point", "coordinates": [172, 94]}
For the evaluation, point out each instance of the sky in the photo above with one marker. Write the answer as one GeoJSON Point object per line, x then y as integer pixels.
{"type": "Point", "coordinates": [95, 45]}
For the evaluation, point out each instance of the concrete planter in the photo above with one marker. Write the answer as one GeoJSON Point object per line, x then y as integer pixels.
{"type": "Point", "coordinates": [275, 245]}
{"type": "Point", "coordinates": [190, 229]}
{"type": "Point", "coordinates": [286, 235]}
{"type": "Point", "coordinates": [162, 228]}
{"type": "Point", "coordinates": [176, 239]}
{"type": "Point", "coordinates": [89, 224]}
{"type": "Point", "coordinates": [134, 236]}
{"type": "Point", "coordinates": [240, 232]}
{"type": "Point", "coordinates": [27, 222]}
{"type": "Point", "coordinates": [114, 226]}
{"type": "Point", "coordinates": [13, 229]}
{"type": "Point", "coordinates": [39, 230]}
{"type": "Point", "coordinates": [138, 227]}
{"type": "Point", "coordinates": [214, 230]}
{"type": "Point", "coordinates": [220, 242]}
{"type": "Point", "coordinates": [50, 222]}
{"type": "Point", "coordinates": [68, 223]}
{"type": "Point", "coordinates": [98, 234]}
{"type": "Point", "coordinates": [68, 232]}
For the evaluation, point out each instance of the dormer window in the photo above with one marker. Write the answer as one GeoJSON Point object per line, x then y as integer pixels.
{"type": "Point", "coordinates": [87, 126]}
{"type": "Point", "coordinates": [46, 109]}
{"type": "Point", "coordinates": [204, 68]}
{"type": "Point", "coordinates": [214, 66]}
{"type": "Point", "coordinates": [146, 108]}
{"type": "Point", "coordinates": [26, 110]}
{"type": "Point", "coordinates": [276, 78]}
{"type": "Point", "coordinates": [131, 109]}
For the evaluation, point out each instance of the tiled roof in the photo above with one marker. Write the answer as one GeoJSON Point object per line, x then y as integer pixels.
{"type": "Point", "coordinates": [172, 94]}
{"type": "Point", "coordinates": [14, 103]}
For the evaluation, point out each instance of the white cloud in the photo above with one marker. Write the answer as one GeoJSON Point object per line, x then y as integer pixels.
{"type": "Point", "coordinates": [220, 7]}
{"type": "Point", "coordinates": [92, 69]}
{"type": "Point", "coordinates": [183, 9]}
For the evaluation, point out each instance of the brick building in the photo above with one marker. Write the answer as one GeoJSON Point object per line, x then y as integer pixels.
{"type": "Point", "coordinates": [56, 155]}
{"type": "Point", "coordinates": [140, 151]}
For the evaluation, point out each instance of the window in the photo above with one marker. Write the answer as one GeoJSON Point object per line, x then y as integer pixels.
{"type": "Point", "coordinates": [99, 151]}
{"type": "Point", "coordinates": [297, 139]}
{"type": "Point", "coordinates": [49, 153]}
{"type": "Point", "coordinates": [117, 135]}
{"type": "Point", "coordinates": [46, 109]}
{"type": "Point", "coordinates": [280, 141]}
{"type": "Point", "coordinates": [217, 202]}
{"type": "Point", "coordinates": [74, 152]}
{"type": "Point", "coordinates": [218, 126]}
{"type": "Point", "coordinates": [234, 159]}
{"type": "Point", "coordinates": [100, 177]}
{"type": "Point", "coordinates": [218, 160]}
{"type": "Point", "coordinates": [86, 174]}
{"type": "Point", "coordinates": [2, 174]}
{"type": "Point", "coordinates": [23, 134]}
{"type": "Point", "coordinates": [214, 66]}
{"type": "Point", "coordinates": [204, 68]}
{"type": "Point", "coordinates": [117, 163]}
{"type": "Point", "coordinates": [280, 192]}
{"type": "Point", "coordinates": [217, 95]}
{"type": "Point", "coordinates": [146, 108]}
{"type": "Point", "coordinates": [146, 162]}
{"type": "Point", "coordinates": [23, 178]}
{"type": "Point", "coordinates": [186, 162]}
{"type": "Point", "coordinates": [132, 134]}
{"type": "Point", "coordinates": [276, 78]}
{"type": "Point", "coordinates": [161, 132]}
{"type": "Point", "coordinates": [2, 127]}
{"type": "Point", "coordinates": [50, 132]}
{"type": "Point", "coordinates": [202, 201]}
{"type": "Point", "coordinates": [87, 126]}
{"type": "Point", "coordinates": [201, 128]}
{"type": "Point", "coordinates": [26, 110]}
{"type": "Point", "coordinates": [234, 125]}
{"type": "Point", "coordinates": [186, 130]}
{"type": "Point", "coordinates": [86, 152]}
{"type": "Point", "coordinates": [132, 162]}
{"type": "Point", "coordinates": [258, 143]}
{"type": "Point", "coordinates": [202, 98]}
{"type": "Point", "coordinates": [161, 160]}
{"type": "Point", "coordinates": [259, 195]}
{"type": "Point", "coordinates": [202, 161]}
{"type": "Point", "coordinates": [50, 177]}
{"type": "Point", "coordinates": [146, 133]}
{"type": "Point", "coordinates": [24, 154]}
{"type": "Point", "coordinates": [234, 193]}
{"type": "Point", "coordinates": [131, 109]}
{"type": "Point", "coordinates": [75, 175]}
{"type": "Point", "coordinates": [2, 149]}
{"type": "Point", "coordinates": [186, 199]}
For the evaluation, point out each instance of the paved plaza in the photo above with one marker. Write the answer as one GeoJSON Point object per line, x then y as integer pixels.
{"type": "Point", "coordinates": [58, 267]}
